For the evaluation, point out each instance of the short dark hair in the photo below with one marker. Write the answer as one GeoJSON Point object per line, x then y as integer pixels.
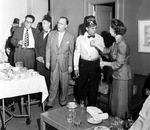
{"type": "Point", "coordinates": [67, 21]}
{"type": "Point", "coordinates": [30, 16]}
{"type": "Point", "coordinates": [118, 26]}
{"type": "Point", "coordinates": [16, 21]}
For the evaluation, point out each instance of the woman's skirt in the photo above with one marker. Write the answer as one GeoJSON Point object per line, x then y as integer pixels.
{"type": "Point", "coordinates": [120, 97]}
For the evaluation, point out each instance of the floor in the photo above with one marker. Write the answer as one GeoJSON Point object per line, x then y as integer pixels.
{"type": "Point", "coordinates": [20, 123]}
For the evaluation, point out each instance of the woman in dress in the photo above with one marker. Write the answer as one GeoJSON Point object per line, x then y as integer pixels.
{"type": "Point", "coordinates": [121, 90]}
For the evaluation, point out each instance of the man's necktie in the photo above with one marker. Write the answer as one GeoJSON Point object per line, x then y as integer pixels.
{"type": "Point", "coordinates": [26, 40]}
{"type": "Point", "coordinates": [91, 36]}
{"type": "Point", "coordinates": [45, 31]}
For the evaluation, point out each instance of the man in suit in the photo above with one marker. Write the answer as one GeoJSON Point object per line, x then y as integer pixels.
{"type": "Point", "coordinates": [59, 58]}
{"type": "Point", "coordinates": [40, 46]}
{"type": "Point", "coordinates": [24, 42]}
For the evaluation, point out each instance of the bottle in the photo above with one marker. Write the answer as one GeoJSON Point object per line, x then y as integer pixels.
{"type": "Point", "coordinates": [82, 103]}
{"type": "Point", "coordinates": [126, 122]}
{"type": "Point", "coordinates": [74, 108]}
{"type": "Point", "coordinates": [69, 116]}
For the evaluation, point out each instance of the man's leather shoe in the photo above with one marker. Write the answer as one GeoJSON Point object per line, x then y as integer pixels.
{"type": "Point", "coordinates": [48, 107]}
{"type": "Point", "coordinates": [62, 105]}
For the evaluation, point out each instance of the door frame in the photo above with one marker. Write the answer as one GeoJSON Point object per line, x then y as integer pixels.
{"type": "Point", "coordinates": [119, 7]}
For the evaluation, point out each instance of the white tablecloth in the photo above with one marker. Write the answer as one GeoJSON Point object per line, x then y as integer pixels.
{"type": "Point", "coordinates": [18, 87]}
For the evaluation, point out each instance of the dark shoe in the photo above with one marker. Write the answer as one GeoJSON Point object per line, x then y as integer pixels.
{"type": "Point", "coordinates": [48, 107]}
{"type": "Point", "coordinates": [62, 105]}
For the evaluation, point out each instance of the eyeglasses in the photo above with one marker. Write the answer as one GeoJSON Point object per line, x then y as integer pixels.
{"type": "Point", "coordinates": [28, 21]}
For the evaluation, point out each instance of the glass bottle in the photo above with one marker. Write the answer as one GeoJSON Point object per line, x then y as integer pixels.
{"type": "Point", "coordinates": [126, 122]}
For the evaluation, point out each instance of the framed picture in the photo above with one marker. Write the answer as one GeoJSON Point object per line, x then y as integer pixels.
{"type": "Point", "coordinates": [144, 36]}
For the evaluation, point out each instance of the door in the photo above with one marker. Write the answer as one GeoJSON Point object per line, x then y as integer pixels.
{"type": "Point", "coordinates": [103, 15]}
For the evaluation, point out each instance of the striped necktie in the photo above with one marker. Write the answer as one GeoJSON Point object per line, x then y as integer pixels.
{"type": "Point", "coordinates": [26, 40]}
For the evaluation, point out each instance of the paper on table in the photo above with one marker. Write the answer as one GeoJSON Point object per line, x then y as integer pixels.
{"type": "Point", "coordinates": [102, 116]}
{"type": "Point", "coordinates": [96, 113]}
{"type": "Point", "coordinates": [93, 110]}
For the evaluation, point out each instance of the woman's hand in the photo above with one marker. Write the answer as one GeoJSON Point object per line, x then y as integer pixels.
{"type": "Point", "coordinates": [102, 64]}
{"type": "Point", "coordinates": [97, 45]}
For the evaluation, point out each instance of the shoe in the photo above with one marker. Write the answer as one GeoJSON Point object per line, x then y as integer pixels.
{"type": "Point", "coordinates": [62, 105]}
{"type": "Point", "coordinates": [48, 107]}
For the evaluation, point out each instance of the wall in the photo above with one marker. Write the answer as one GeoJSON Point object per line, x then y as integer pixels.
{"type": "Point", "coordinates": [137, 10]}
{"type": "Point", "coordinates": [72, 9]}
{"type": "Point", "coordinates": [9, 9]}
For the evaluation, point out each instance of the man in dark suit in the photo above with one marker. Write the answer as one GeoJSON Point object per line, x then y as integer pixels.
{"type": "Point", "coordinates": [24, 42]}
{"type": "Point", "coordinates": [59, 58]}
{"type": "Point", "coordinates": [40, 46]}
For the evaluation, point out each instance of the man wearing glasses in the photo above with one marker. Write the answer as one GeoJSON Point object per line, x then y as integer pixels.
{"type": "Point", "coordinates": [24, 42]}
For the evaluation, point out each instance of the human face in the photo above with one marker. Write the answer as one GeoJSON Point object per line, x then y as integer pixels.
{"type": "Point", "coordinates": [112, 31]}
{"type": "Point", "coordinates": [45, 25]}
{"type": "Point", "coordinates": [28, 22]}
{"type": "Point", "coordinates": [61, 25]}
{"type": "Point", "coordinates": [91, 30]}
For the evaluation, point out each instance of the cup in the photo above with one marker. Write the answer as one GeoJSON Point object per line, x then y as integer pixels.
{"type": "Point", "coordinates": [82, 103]}
{"type": "Point", "coordinates": [69, 116]}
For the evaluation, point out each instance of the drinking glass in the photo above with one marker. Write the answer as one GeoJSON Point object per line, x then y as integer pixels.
{"type": "Point", "coordinates": [69, 116]}
{"type": "Point", "coordinates": [82, 103]}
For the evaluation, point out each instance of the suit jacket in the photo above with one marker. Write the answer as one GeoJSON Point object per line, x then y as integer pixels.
{"type": "Point", "coordinates": [18, 35]}
{"type": "Point", "coordinates": [63, 53]}
{"type": "Point", "coordinates": [40, 45]}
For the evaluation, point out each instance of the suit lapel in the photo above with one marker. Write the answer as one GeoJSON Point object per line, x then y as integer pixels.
{"type": "Point", "coordinates": [21, 33]}
{"type": "Point", "coordinates": [56, 39]}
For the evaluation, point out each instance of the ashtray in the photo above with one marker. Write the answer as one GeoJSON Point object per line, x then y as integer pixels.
{"type": "Point", "coordinates": [78, 123]}
{"type": "Point", "coordinates": [71, 105]}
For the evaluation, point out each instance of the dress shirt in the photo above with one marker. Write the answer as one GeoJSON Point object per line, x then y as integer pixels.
{"type": "Point", "coordinates": [60, 37]}
{"type": "Point", "coordinates": [31, 38]}
{"type": "Point", "coordinates": [85, 50]}
{"type": "Point", "coordinates": [45, 33]}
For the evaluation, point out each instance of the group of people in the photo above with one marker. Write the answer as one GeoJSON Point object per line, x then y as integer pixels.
{"type": "Point", "coordinates": [57, 53]}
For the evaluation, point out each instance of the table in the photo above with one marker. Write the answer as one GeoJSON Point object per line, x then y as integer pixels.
{"type": "Point", "coordinates": [57, 119]}
{"type": "Point", "coordinates": [25, 86]}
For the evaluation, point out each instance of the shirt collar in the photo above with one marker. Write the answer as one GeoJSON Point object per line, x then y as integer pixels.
{"type": "Point", "coordinates": [119, 39]}
{"type": "Point", "coordinates": [27, 29]}
{"type": "Point", "coordinates": [86, 34]}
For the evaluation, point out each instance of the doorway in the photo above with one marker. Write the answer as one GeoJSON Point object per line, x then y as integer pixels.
{"type": "Point", "coordinates": [119, 7]}
{"type": "Point", "coordinates": [103, 14]}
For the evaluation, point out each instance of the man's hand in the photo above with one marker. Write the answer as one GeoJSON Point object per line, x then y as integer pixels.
{"type": "Point", "coordinates": [20, 42]}
{"type": "Point", "coordinates": [47, 65]}
{"type": "Point", "coordinates": [40, 59]}
{"type": "Point", "coordinates": [76, 72]}
{"type": "Point", "coordinates": [70, 69]}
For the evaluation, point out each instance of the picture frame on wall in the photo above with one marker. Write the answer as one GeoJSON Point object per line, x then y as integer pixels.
{"type": "Point", "coordinates": [144, 36]}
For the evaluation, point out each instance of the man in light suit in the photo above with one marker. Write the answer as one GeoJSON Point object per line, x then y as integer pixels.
{"type": "Point", "coordinates": [59, 59]}
{"type": "Point", "coordinates": [24, 47]}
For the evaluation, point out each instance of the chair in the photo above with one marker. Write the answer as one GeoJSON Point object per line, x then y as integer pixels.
{"type": "Point", "coordinates": [103, 95]}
